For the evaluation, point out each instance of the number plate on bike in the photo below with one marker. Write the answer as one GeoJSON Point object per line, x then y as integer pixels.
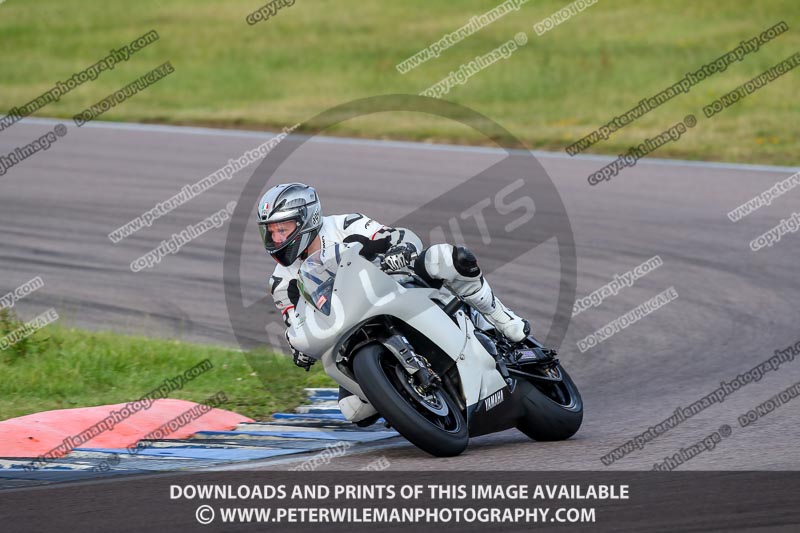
{"type": "Point", "coordinates": [533, 355]}
{"type": "Point", "coordinates": [527, 356]}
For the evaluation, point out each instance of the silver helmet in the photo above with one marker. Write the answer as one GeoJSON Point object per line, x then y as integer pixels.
{"type": "Point", "coordinates": [289, 219]}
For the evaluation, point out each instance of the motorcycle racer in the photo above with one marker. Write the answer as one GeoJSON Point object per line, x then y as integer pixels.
{"type": "Point", "coordinates": [292, 227]}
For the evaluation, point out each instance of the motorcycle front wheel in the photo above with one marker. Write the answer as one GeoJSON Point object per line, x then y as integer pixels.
{"type": "Point", "coordinates": [431, 421]}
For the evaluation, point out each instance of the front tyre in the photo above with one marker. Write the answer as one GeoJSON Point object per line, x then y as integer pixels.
{"type": "Point", "coordinates": [432, 422]}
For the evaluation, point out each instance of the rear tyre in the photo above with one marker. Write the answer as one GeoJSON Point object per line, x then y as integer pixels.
{"type": "Point", "coordinates": [553, 410]}
{"type": "Point", "coordinates": [431, 422]}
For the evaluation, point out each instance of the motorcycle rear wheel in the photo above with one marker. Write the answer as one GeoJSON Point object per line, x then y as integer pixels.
{"type": "Point", "coordinates": [432, 423]}
{"type": "Point", "coordinates": [553, 411]}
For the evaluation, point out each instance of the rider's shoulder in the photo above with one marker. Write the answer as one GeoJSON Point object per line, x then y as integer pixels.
{"type": "Point", "coordinates": [347, 220]}
{"type": "Point", "coordinates": [282, 271]}
{"type": "Point", "coordinates": [344, 218]}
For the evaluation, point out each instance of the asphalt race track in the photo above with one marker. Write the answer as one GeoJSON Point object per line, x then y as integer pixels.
{"type": "Point", "coordinates": [735, 306]}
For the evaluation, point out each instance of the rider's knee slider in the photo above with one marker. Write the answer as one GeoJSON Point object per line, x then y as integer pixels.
{"type": "Point", "coordinates": [465, 262]}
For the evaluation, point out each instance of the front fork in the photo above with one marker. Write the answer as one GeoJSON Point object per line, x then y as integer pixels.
{"type": "Point", "coordinates": [416, 365]}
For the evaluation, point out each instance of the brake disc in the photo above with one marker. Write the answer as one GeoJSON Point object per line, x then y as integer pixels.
{"type": "Point", "coordinates": [432, 401]}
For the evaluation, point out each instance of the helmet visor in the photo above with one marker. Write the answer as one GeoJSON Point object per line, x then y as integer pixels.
{"type": "Point", "coordinates": [277, 235]}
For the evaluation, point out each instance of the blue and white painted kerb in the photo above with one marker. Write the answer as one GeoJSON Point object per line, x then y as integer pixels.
{"type": "Point", "coordinates": [312, 428]}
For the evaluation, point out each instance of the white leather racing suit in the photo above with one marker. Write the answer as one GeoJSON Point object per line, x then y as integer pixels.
{"type": "Point", "coordinates": [336, 229]}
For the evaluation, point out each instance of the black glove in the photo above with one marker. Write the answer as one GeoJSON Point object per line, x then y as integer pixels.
{"type": "Point", "coordinates": [369, 248]}
{"type": "Point", "coordinates": [300, 359]}
{"type": "Point", "coordinates": [399, 256]}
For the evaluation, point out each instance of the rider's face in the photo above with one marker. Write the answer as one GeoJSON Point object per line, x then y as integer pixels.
{"type": "Point", "coordinates": [280, 231]}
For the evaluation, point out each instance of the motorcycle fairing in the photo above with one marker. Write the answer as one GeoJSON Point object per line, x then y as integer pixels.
{"type": "Point", "coordinates": [362, 291]}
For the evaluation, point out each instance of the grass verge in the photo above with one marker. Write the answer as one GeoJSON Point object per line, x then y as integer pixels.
{"type": "Point", "coordinates": [61, 368]}
{"type": "Point", "coordinates": [311, 56]}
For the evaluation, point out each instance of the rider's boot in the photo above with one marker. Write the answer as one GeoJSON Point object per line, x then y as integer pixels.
{"type": "Point", "coordinates": [508, 323]}
{"type": "Point", "coordinates": [356, 410]}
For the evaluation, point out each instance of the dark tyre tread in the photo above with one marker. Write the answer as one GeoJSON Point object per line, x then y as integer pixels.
{"type": "Point", "coordinates": [404, 418]}
{"type": "Point", "coordinates": [546, 420]}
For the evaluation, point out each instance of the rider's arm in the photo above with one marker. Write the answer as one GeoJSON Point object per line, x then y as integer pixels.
{"type": "Point", "coordinates": [283, 287]}
{"type": "Point", "coordinates": [375, 237]}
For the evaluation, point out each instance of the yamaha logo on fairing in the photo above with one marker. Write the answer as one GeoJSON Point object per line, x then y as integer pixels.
{"type": "Point", "coordinates": [494, 399]}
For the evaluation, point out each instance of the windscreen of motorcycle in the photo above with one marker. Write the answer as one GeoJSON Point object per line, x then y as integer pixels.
{"type": "Point", "coordinates": [317, 275]}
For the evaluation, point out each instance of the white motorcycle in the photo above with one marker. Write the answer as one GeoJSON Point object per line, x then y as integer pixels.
{"type": "Point", "coordinates": [434, 369]}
